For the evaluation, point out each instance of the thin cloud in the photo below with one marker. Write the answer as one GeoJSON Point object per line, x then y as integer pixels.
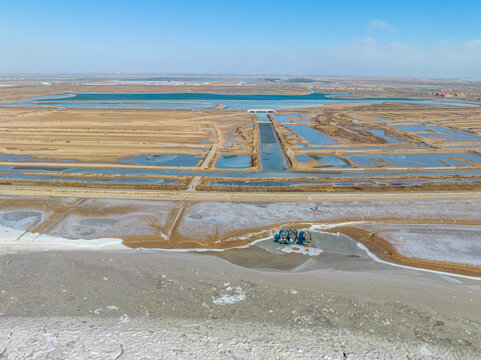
{"type": "Point", "coordinates": [379, 25]}
{"type": "Point", "coordinates": [476, 43]}
{"type": "Point", "coordinates": [445, 59]}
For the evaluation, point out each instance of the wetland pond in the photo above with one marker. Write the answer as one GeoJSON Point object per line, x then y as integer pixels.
{"type": "Point", "coordinates": [234, 162]}
{"type": "Point", "coordinates": [312, 136]}
{"type": "Point", "coordinates": [288, 118]}
{"type": "Point", "coordinates": [323, 160]}
{"type": "Point", "coordinates": [162, 160]}
{"type": "Point", "coordinates": [438, 132]}
{"type": "Point", "coordinates": [378, 132]}
{"type": "Point", "coordinates": [414, 160]}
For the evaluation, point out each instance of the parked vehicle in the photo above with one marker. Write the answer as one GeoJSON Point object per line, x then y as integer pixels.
{"type": "Point", "coordinates": [292, 236]}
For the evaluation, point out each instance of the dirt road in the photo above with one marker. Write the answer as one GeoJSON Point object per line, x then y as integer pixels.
{"type": "Point", "coordinates": [229, 196]}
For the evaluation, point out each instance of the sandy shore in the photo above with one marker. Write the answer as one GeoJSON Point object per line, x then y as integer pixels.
{"type": "Point", "coordinates": [151, 303]}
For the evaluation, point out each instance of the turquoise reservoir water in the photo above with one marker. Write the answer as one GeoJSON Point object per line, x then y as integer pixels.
{"type": "Point", "coordinates": [202, 100]}
{"type": "Point", "coordinates": [198, 100]}
{"type": "Point", "coordinates": [208, 97]}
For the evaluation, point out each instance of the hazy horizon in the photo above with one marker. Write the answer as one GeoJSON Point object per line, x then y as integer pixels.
{"type": "Point", "coordinates": [129, 74]}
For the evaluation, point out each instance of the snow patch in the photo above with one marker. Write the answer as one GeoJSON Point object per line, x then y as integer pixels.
{"type": "Point", "coordinates": [317, 227]}
{"type": "Point", "coordinates": [303, 250]}
{"type": "Point", "coordinates": [12, 240]}
{"type": "Point", "coordinates": [230, 295]}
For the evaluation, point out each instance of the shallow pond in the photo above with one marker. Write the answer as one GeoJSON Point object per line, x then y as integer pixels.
{"type": "Point", "coordinates": [18, 158]}
{"type": "Point", "coordinates": [287, 118]}
{"type": "Point", "coordinates": [363, 148]}
{"type": "Point", "coordinates": [17, 172]}
{"type": "Point", "coordinates": [312, 136]}
{"type": "Point", "coordinates": [281, 183]}
{"type": "Point", "coordinates": [464, 147]}
{"type": "Point", "coordinates": [130, 180]}
{"type": "Point", "coordinates": [413, 160]}
{"type": "Point", "coordinates": [323, 160]}
{"type": "Point", "coordinates": [337, 182]}
{"type": "Point", "coordinates": [162, 160]}
{"type": "Point", "coordinates": [378, 132]}
{"type": "Point", "coordinates": [438, 132]}
{"type": "Point", "coordinates": [234, 162]}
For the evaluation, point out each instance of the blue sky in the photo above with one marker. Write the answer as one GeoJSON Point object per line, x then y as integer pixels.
{"type": "Point", "coordinates": [361, 38]}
